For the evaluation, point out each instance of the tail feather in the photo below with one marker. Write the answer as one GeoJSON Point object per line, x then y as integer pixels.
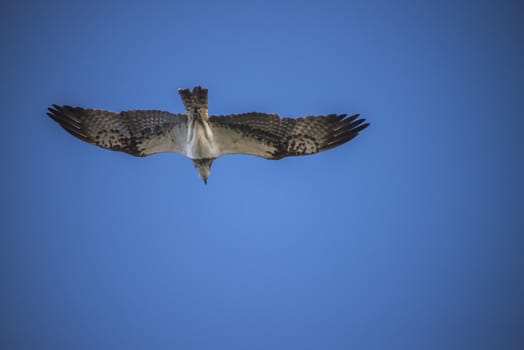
{"type": "Point", "coordinates": [195, 101]}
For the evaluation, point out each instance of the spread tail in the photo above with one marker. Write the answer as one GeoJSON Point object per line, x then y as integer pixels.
{"type": "Point", "coordinates": [195, 101]}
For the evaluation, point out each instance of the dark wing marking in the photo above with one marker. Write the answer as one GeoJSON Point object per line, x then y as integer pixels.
{"type": "Point", "coordinates": [139, 133]}
{"type": "Point", "coordinates": [272, 137]}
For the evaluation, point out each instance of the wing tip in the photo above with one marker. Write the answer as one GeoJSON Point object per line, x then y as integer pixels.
{"type": "Point", "coordinates": [64, 116]}
{"type": "Point", "coordinates": [349, 128]}
{"type": "Point", "coordinates": [361, 126]}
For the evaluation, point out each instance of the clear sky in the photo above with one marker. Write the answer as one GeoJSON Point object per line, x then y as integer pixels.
{"type": "Point", "coordinates": [408, 237]}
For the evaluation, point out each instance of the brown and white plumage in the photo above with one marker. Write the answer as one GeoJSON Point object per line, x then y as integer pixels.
{"type": "Point", "coordinates": [139, 133]}
{"type": "Point", "coordinates": [203, 138]}
{"type": "Point", "coordinates": [272, 137]}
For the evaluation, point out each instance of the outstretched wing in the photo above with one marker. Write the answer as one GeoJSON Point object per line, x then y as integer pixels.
{"type": "Point", "coordinates": [272, 137]}
{"type": "Point", "coordinates": [139, 133]}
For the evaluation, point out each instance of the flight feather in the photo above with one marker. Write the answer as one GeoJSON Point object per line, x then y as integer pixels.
{"type": "Point", "coordinates": [139, 132]}
{"type": "Point", "coordinates": [272, 137]}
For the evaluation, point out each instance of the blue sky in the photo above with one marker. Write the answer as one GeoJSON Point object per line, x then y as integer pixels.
{"type": "Point", "coordinates": [408, 237]}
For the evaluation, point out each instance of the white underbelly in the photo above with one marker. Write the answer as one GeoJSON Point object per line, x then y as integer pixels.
{"type": "Point", "coordinates": [201, 143]}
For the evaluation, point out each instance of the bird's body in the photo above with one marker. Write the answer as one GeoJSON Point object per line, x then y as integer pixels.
{"type": "Point", "coordinates": [203, 138]}
{"type": "Point", "coordinates": [200, 141]}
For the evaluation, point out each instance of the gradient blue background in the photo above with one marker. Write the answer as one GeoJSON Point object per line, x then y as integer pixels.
{"type": "Point", "coordinates": [408, 237]}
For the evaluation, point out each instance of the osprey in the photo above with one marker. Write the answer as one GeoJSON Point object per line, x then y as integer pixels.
{"type": "Point", "coordinates": [204, 138]}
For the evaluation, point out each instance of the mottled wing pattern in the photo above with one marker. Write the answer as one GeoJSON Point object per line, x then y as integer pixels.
{"type": "Point", "coordinates": [272, 137]}
{"type": "Point", "coordinates": [139, 133]}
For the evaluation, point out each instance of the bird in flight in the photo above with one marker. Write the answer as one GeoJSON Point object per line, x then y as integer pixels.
{"type": "Point", "coordinates": [204, 138]}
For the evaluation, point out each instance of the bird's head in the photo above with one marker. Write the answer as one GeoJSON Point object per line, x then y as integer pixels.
{"type": "Point", "coordinates": [203, 166]}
